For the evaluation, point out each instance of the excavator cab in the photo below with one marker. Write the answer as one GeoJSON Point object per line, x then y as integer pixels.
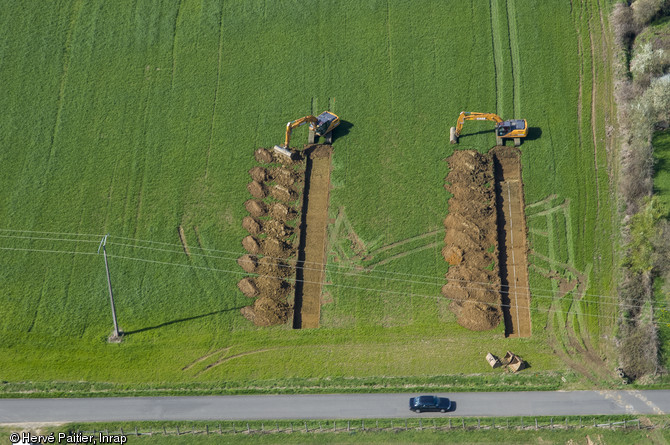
{"type": "Point", "coordinates": [325, 123]}
{"type": "Point", "coordinates": [515, 128]}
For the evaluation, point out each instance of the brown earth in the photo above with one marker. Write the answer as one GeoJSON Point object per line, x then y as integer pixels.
{"type": "Point", "coordinates": [276, 248]}
{"type": "Point", "coordinates": [309, 279]}
{"type": "Point", "coordinates": [512, 235]}
{"type": "Point", "coordinates": [264, 156]}
{"type": "Point", "coordinates": [281, 193]}
{"type": "Point", "coordinates": [277, 229]}
{"type": "Point", "coordinates": [251, 225]}
{"type": "Point", "coordinates": [248, 287]}
{"type": "Point", "coordinates": [453, 255]}
{"type": "Point", "coordinates": [283, 176]}
{"type": "Point", "coordinates": [269, 238]}
{"type": "Point", "coordinates": [257, 190]}
{"type": "Point", "coordinates": [282, 212]}
{"type": "Point", "coordinates": [473, 282]}
{"type": "Point", "coordinates": [255, 208]}
{"type": "Point", "coordinates": [258, 174]}
{"type": "Point", "coordinates": [248, 262]}
{"type": "Point", "coordinates": [274, 268]}
{"type": "Point", "coordinates": [267, 311]}
{"type": "Point", "coordinates": [273, 287]}
{"type": "Point", "coordinates": [251, 244]}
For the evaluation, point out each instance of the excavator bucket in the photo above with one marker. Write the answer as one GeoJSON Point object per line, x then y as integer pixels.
{"type": "Point", "coordinates": [452, 135]}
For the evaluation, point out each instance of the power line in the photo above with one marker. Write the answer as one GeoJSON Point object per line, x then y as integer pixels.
{"type": "Point", "coordinates": [382, 291]}
{"type": "Point", "coordinates": [492, 287]}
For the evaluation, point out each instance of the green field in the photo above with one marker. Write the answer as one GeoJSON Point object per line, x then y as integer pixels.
{"type": "Point", "coordinates": [136, 117]}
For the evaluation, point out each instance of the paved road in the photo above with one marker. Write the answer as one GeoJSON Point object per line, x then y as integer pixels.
{"type": "Point", "coordinates": [330, 406]}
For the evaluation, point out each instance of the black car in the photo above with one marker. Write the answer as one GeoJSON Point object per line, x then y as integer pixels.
{"type": "Point", "coordinates": [429, 403]}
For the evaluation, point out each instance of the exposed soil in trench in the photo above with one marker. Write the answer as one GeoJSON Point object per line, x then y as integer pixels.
{"type": "Point", "coordinates": [287, 237]}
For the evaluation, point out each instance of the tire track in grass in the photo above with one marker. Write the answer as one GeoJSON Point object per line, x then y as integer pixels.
{"type": "Point", "coordinates": [516, 62]}
{"type": "Point", "coordinates": [594, 88]}
{"type": "Point", "coordinates": [174, 43]}
{"type": "Point", "coordinates": [216, 93]}
{"type": "Point", "coordinates": [76, 13]}
{"type": "Point", "coordinates": [497, 55]}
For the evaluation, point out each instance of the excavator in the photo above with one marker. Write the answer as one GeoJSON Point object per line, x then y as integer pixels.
{"type": "Point", "coordinates": [321, 125]}
{"type": "Point", "coordinates": [512, 129]}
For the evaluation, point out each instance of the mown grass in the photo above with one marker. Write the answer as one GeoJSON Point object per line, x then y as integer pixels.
{"type": "Point", "coordinates": [137, 117]}
{"type": "Point", "coordinates": [428, 430]}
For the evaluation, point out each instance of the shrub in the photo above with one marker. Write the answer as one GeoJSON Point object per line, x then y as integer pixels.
{"type": "Point", "coordinates": [623, 24]}
{"type": "Point", "coordinates": [645, 10]}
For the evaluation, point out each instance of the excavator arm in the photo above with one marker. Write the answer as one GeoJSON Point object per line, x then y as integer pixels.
{"type": "Point", "coordinates": [472, 116]}
{"type": "Point", "coordinates": [297, 123]}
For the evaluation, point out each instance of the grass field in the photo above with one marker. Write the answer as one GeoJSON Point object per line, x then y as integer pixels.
{"type": "Point", "coordinates": [551, 430]}
{"type": "Point", "coordinates": [138, 117]}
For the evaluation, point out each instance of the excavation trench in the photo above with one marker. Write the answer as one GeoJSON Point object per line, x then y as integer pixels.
{"type": "Point", "coordinates": [312, 245]}
{"type": "Point", "coordinates": [485, 242]}
{"type": "Point", "coordinates": [512, 242]}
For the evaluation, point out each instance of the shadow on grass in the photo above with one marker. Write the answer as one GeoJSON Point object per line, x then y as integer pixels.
{"type": "Point", "coordinates": [180, 320]}
{"type": "Point", "coordinates": [534, 133]}
{"type": "Point", "coordinates": [342, 129]}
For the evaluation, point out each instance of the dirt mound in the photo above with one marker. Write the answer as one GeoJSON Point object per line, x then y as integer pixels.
{"type": "Point", "coordinates": [267, 311]}
{"type": "Point", "coordinates": [281, 193]}
{"type": "Point", "coordinates": [274, 268]}
{"type": "Point", "coordinates": [251, 225]}
{"type": "Point", "coordinates": [257, 190]}
{"type": "Point", "coordinates": [277, 229]}
{"type": "Point", "coordinates": [263, 156]}
{"type": "Point", "coordinates": [473, 278]}
{"type": "Point", "coordinates": [248, 262]}
{"type": "Point", "coordinates": [248, 287]}
{"type": "Point", "coordinates": [251, 244]}
{"type": "Point", "coordinates": [273, 287]}
{"type": "Point", "coordinates": [255, 208]}
{"type": "Point", "coordinates": [282, 212]}
{"type": "Point", "coordinates": [277, 248]}
{"type": "Point", "coordinates": [453, 255]}
{"type": "Point", "coordinates": [283, 176]}
{"type": "Point", "coordinates": [258, 174]}
{"type": "Point", "coordinates": [476, 316]}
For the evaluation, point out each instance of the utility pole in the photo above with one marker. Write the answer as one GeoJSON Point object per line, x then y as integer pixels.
{"type": "Point", "coordinates": [116, 335]}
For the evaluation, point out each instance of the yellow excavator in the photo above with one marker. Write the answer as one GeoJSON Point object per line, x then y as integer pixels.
{"type": "Point", "coordinates": [512, 129]}
{"type": "Point", "coordinates": [321, 125]}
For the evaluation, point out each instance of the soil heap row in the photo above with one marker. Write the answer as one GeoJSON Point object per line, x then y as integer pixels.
{"type": "Point", "coordinates": [473, 280]}
{"type": "Point", "coordinates": [276, 186]}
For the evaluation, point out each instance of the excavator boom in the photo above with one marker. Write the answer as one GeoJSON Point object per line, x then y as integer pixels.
{"type": "Point", "coordinates": [516, 128]}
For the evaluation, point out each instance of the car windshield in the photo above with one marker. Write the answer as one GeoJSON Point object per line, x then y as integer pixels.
{"type": "Point", "coordinates": [426, 400]}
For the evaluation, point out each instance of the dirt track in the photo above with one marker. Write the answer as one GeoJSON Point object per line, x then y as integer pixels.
{"type": "Point", "coordinates": [312, 248]}
{"type": "Point", "coordinates": [512, 242]}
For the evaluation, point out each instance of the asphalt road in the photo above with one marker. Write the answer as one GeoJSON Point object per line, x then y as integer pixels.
{"type": "Point", "coordinates": [330, 406]}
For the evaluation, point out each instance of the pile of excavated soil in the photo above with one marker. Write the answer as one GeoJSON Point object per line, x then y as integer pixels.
{"type": "Point", "coordinates": [284, 194]}
{"type": "Point", "coordinates": [248, 287]}
{"type": "Point", "coordinates": [473, 280]}
{"type": "Point", "coordinates": [258, 174]}
{"type": "Point", "coordinates": [257, 190]}
{"type": "Point", "coordinates": [274, 267]}
{"type": "Point", "coordinates": [256, 208]}
{"type": "Point", "coordinates": [277, 229]}
{"type": "Point", "coordinates": [283, 176]}
{"type": "Point", "coordinates": [271, 241]}
{"type": "Point", "coordinates": [248, 262]}
{"type": "Point", "coordinates": [282, 212]}
{"type": "Point", "coordinates": [267, 311]}
{"type": "Point", "coordinates": [251, 244]}
{"type": "Point", "coordinates": [277, 248]}
{"type": "Point", "coordinates": [264, 156]}
{"type": "Point", "coordinates": [251, 225]}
